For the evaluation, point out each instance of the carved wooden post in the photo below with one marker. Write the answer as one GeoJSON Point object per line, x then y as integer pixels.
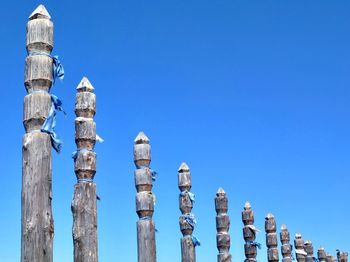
{"type": "Point", "coordinates": [146, 243]}
{"type": "Point", "coordinates": [309, 249]}
{"type": "Point", "coordinates": [286, 248]}
{"type": "Point", "coordinates": [329, 257]}
{"type": "Point", "coordinates": [187, 220]}
{"type": "Point", "coordinates": [84, 200]}
{"type": "Point", "coordinates": [249, 233]}
{"type": "Point", "coordinates": [37, 221]}
{"type": "Point", "coordinates": [299, 248]}
{"type": "Point", "coordinates": [321, 254]}
{"type": "Point", "coordinates": [342, 256]}
{"type": "Point", "coordinates": [223, 240]}
{"type": "Point", "coordinates": [271, 238]}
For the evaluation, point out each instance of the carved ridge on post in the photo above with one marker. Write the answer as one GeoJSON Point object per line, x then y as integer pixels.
{"type": "Point", "coordinates": [223, 240]}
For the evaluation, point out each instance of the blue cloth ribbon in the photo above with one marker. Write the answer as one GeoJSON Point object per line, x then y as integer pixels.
{"type": "Point", "coordinates": [191, 220]}
{"type": "Point", "coordinates": [254, 243]}
{"type": "Point", "coordinates": [58, 70]}
{"type": "Point", "coordinates": [190, 194]}
{"type": "Point", "coordinates": [85, 180]}
{"type": "Point", "coordinates": [195, 241]}
{"type": "Point", "coordinates": [50, 123]}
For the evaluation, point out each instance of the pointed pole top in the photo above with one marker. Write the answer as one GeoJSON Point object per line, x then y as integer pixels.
{"type": "Point", "coordinates": [269, 216]}
{"type": "Point", "coordinates": [221, 192]}
{"type": "Point", "coordinates": [40, 12]}
{"type": "Point", "coordinates": [247, 205]}
{"type": "Point", "coordinates": [308, 242]}
{"type": "Point", "coordinates": [141, 138]}
{"type": "Point", "coordinates": [284, 227]}
{"type": "Point", "coordinates": [298, 235]}
{"type": "Point", "coordinates": [85, 85]}
{"type": "Point", "coordinates": [321, 248]}
{"type": "Point", "coordinates": [184, 168]}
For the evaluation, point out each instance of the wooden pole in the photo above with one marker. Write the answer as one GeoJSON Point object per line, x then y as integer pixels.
{"type": "Point", "coordinates": [186, 220]}
{"type": "Point", "coordinates": [309, 249]}
{"type": "Point", "coordinates": [321, 254]}
{"type": "Point", "coordinates": [223, 240]}
{"type": "Point", "coordinates": [84, 200]}
{"type": "Point", "coordinates": [271, 238]}
{"type": "Point", "coordinates": [146, 243]}
{"type": "Point", "coordinates": [329, 257]}
{"type": "Point", "coordinates": [342, 256]}
{"type": "Point", "coordinates": [299, 248]}
{"type": "Point", "coordinates": [249, 233]}
{"type": "Point", "coordinates": [37, 221]}
{"type": "Point", "coordinates": [286, 248]}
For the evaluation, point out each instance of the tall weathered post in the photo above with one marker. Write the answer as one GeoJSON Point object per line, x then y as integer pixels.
{"type": "Point", "coordinates": [84, 207]}
{"type": "Point", "coordinates": [342, 256]}
{"type": "Point", "coordinates": [223, 240]}
{"type": "Point", "coordinates": [187, 220]}
{"type": "Point", "coordinates": [329, 257]}
{"type": "Point", "coordinates": [37, 220]}
{"type": "Point", "coordinates": [249, 233]}
{"type": "Point", "coordinates": [286, 248]}
{"type": "Point", "coordinates": [321, 255]}
{"type": "Point", "coordinates": [271, 238]}
{"type": "Point", "coordinates": [299, 248]}
{"type": "Point", "coordinates": [146, 243]}
{"type": "Point", "coordinates": [309, 249]}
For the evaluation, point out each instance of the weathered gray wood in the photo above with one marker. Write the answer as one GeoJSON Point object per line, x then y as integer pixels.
{"type": "Point", "coordinates": [249, 233]}
{"type": "Point", "coordinates": [309, 249]}
{"type": "Point", "coordinates": [85, 222]}
{"type": "Point", "coordinates": [299, 248]}
{"type": "Point", "coordinates": [84, 207]}
{"type": "Point", "coordinates": [342, 256]}
{"type": "Point", "coordinates": [188, 252]}
{"type": "Point", "coordinates": [146, 243]}
{"type": "Point", "coordinates": [223, 240]}
{"type": "Point", "coordinates": [37, 221]}
{"type": "Point", "coordinates": [321, 255]}
{"type": "Point", "coordinates": [286, 248]}
{"type": "Point", "coordinates": [271, 238]}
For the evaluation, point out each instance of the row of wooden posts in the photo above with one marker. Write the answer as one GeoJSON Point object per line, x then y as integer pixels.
{"type": "Point", "coordinates": [37, 220]}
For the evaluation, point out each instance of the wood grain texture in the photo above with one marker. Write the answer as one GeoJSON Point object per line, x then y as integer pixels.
{"type": "Point", "coordinates": [146, 242]}
{"type": "Point", "coordinates": [223, 240]}
{"type": "Point", "coordinates": [37, 220]}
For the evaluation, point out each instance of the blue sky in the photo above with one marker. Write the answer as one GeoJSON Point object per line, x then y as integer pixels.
{"type": "Point", "coordinates": [253, 95]}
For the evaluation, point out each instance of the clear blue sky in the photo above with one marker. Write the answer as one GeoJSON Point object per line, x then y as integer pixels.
{"type": "Point", "coordinates": [253, 95]}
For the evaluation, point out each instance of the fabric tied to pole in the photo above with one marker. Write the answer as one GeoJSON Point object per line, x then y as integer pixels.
{"type": "Point", "coordinates": [254, 243]}
{"type": "Point", "coordinates": [196, 241]}
{"type": "Point", "coordinates": [153, 173]}
{"type": "Point", "coordinates": [82, 150]}
{"type": "Point", "coordinates": [50, 123]}
{"type": "Point", "coordinates": [85, 180]}
{"type": "Point", "coordinates": [190, 195]}
{"type": "Point", "coordinates": [315, 259]}
{"type": "Point", "coordinates": [191, 220]}
{"type": "Point", "coordinates": [57, 68]}
{"type": "Point", "coordinates": [300, 252]}
{"type": "Point", "coordinates": [146, 218]}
